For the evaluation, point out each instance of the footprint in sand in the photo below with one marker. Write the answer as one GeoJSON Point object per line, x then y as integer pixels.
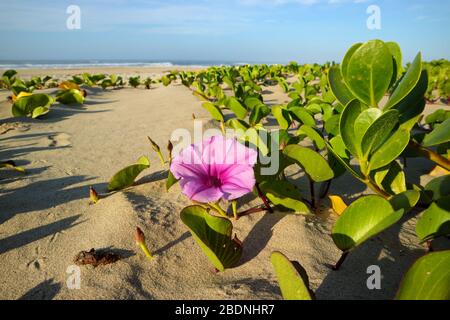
{"type": "Point", "coordinates": [59, 140]}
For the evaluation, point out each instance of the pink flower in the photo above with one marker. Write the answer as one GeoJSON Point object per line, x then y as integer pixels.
{"type": "Point", "coordinates": [214, 169]}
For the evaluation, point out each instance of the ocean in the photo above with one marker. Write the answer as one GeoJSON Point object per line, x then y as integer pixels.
{"type": "Point", "coordinates": [74, 64]}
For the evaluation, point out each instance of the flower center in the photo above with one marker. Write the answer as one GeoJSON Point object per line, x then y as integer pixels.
{"type": "Point", "coordinates": [214, 182]}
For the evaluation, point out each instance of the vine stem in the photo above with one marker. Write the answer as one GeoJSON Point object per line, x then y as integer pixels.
{"type": "Point", "coordinates": [313, 193]}
{"type": "Point", "coordinates": [216, 207]}
{"type": "Point", "coordinates": [430, 154]}
{"type": "Point", "coordinates": [264, 199]}
{"type": "Point", "coordinates": [251, 211]}
{"type": "Point", "coordinates": [341, 261]}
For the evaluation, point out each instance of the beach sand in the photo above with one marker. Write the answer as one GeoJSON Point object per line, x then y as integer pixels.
{"type": "Point", "coordinates": [45, 217]}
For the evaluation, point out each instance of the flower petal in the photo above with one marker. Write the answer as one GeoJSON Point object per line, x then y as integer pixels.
{"type": "Point", "coordinates": [198, 191]}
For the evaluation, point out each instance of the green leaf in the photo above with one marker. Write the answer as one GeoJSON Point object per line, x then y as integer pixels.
{"type": "Point", "coordinates": [283, 117]}
{"type": "Point", "coordinates": [338, 86]}
{"type": "Point", "coordinates": [391, 178]}
{"type": "Point", "coordinates": [346, 60]}
{"type": "Point", "coordinates": [364, 121]}
{"type": "Point", "coordinates": [293, 282]}
{"type": "Point", "coordinates": [362, 220]}
{"type": "Point", "coordinates": [253, 137]}
{"type": "Point", "coordinates": [405, 200]}
{"type": "Point", "coordinates": [237, 124]}
{"type": "Point", "coordinates": [126, 177]}
{"type": "Point", "coordinates": [438, 188]}
{"type": "Point", "coordinates": [39, 112]}
{"type": "Point", "coordinates": [347, 126]}
{"type": "Point", "coordinates": [214, 111]}
{"type": "Point", "coordinates": [369, 72]}
{"type": "Point", "coordinates": [26, 105]}
{"type": "Point", "coordinates": [214, 236]}
{"type": "Point", "coordinates": [259, 112]}
{"type": "Point", "coordinates": [252, 102]}
{"type": "Point", "coordinates": [407, 83]}
{"type": "Point", "coordinates": [171, 181]}
{"type": "Point", "coordinates": [439, 135]}
{"type": "Point", "coordinates": [70, 96]}
{"type": "Point", "coordinates": [312, 134]}
{"type": "Point", "coordinates": [301, 115]}
{"type": "Point", "coordinates": [343, 162]}
{"type": "Point", "coordinates": [234, 105]}
{"type": "Point", "coordinates": [435, 221]}
{"type": "Point", "coordinates": [332, 125]}
{"type": "Point", "coordinates": [390, 150]}
{"type": "Point", "coordinates": [378, 132]}
{"type": "Point", "coordinates": [428, 278]}
{"type": "Point", "coordinates": [396, 52]}
{"type": "Point", "coordinates": [284, 194]}
{"type": "Point", "coordinates": [314, 165]}
{"type": "Point", "coordinates": [412, 106]}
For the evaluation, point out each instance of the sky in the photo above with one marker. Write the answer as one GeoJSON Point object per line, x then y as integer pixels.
{"type": "Point", "coordinates": [246, 31]}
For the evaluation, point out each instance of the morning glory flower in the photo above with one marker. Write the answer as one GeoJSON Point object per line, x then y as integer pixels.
{"type": "Point", "coordinates": [218, 168]}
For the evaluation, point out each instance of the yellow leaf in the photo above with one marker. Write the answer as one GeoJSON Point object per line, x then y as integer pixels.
{"type": "Point", "coordinates": [439, 171]}
{"type": "Point", "coordinates": [67, 85]}
{"type": "Point", "coordinates": [338, 204]}
{"type": "Point", "coordinates": [20, 95]}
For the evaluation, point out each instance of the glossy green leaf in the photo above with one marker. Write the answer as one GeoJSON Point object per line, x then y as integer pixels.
{"type": "Point", "coordinates": [362, 220]}
{"type": "Point", "coordinates": [302, 115]}
{"type": "Point", "coordinates": [378, 132]}
{"type": "Point", "coordinates": [314, 135]}
{"type": "Point", "coordinates": [171, 181]}
{"type": "Point", "coordinates": [338, 86]}
{"type": "Point", "coordinates": [405, 200]}
{"type": "Point", "coordinates": [407, 83]}
{"type": "Point", "coordinates": [214, 236]}
{"type": "Point", "coordinates": [126, 177]}
{"type": "Point", "coordinates": [440, 135]}
{"type": "Point", "coordinates": [293, 283]}
{"type": "Point", "coordinates": [259, 112]}
{"type": "Point", "coordinates": [70, 96]}
{"type": "Point", "coordinates": [391, 178]}
{"type": "Point", "coordinates": [314, 165]}
{"type": "Point", "coordinates": [253, 137]}
{"type": "Point", "coordinates": [347, 126]}
{"type": "Point", "coordinates": [396, 52]}
{"type": "Point", "coordinates": [213, 110]}
{"type": "Point", "coordinates": [237, 124]}
{"type": "Point", "coordinates": [283, 117]}
{"type": "Point", "coordinates": [332, 125]}
{"type": "Point", "coordinates": [39, 112]}
{"type": "Point", "coordinates": [284, 194]}
{"type": "Point", "coordinates": [435, 221]}
{"type": "Point", "coordinates": [390, 150]}
{"type": "Point", "coordinates": [364, 121]}
{"type": "Point", "coordinates": [412, 106]}
{"type": "Point", "coordinates": [369, 72]}
{"type": "Point", "coordinates": [26, 105]}
{"type": "Point", "coordinates": [234, 105]}
{"type": "Point", "coordinates": [344, 162]}
{"type": "Point", "coordinates": [346, 60]}
{"type": "Point", "coordinates": [438, 188]}
{"type": "Point", "coordinates": [428, 278]}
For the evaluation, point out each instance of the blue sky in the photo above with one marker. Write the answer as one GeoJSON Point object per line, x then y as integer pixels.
{"type": "Point", "coordinates": [218, 30]}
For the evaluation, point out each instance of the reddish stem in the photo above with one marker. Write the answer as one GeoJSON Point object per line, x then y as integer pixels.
{"type": "Point", "coordinates": [264, 199]}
